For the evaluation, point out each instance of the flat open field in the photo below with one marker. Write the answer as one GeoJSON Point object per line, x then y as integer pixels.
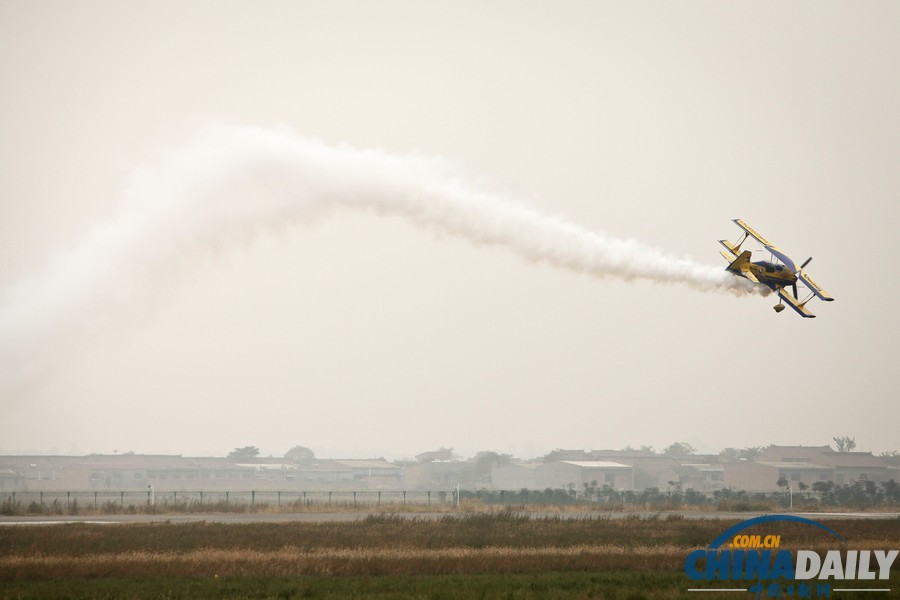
{"type": "Point", "coordinates": [486, 555]}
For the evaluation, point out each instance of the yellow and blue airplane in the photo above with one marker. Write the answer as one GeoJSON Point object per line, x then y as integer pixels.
{"type": "Point", "coordinates": [771, 274]}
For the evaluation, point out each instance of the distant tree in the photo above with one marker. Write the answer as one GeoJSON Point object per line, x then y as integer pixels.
{"type": "Point", "coordinates": [679, 449]}
{"type": "Point", "coordinates": [559, 454]}
{"type": "Point", "coordinates": [782, 482]}
{"type": "Point", "coordinates": [730, 453]}
{"type": "Point", "coordinates": [245, 452]}
{"type": "Point", "coordinates": [752, 452]}
{"type": "Point", "coordinates": [844, 443]}
{"type": "Point", "coordinates": [741, 453]}
{"type": "Point", "coordinates": [487, 460]}
{"type": "Point", "coordinates": [443, 454]}
{"type": "Point", "coordinates": [300, 454]}
{"type": "Point", "coordinates": [823, 486]}
{"type": "Point", "coordinates": [891, 490]}
{"type": "Point", "coordinates": [891, 458]}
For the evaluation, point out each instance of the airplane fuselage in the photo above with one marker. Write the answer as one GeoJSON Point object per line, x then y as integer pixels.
{"type": "Point", "coordinates": [773, 275]}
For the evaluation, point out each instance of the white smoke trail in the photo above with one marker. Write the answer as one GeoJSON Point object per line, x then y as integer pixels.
{"type": "Point", "coordinates": [233, 182]}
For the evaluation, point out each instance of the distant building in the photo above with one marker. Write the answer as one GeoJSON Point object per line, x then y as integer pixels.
{"type": "Point", "coordinates": [794, 454]}
{"type": "Point", "coordinates": [806, 465]}
{"type": "Point", "coordinates": [11, 479]}
{"type": "Point", "coordinates": [179, 473]}
{"type": "Point", "coordinates": [798, 466]}
{"type": "Point", "coordinates": [377, 473]}
{"type": "Point", "coordinates": [577, 473]}
{"type": "Point", "coordinates": [46, 472]}
{"type": "Point", "coordinates": [857, 466]}
{"type": "Point", "coordinates": [848, 466]}
{"type": "Point", "coordinates": [651, 470]}
{"type": "Point", "coordinates": [272, 470]}
{"type": "Point", "coordinates": [759, 476]}
{"type": "Point", "coordinates": [515, 476]}
{"type": "Point", "coordinates": [164, 473]}
{"type": "Point", "coordinates": [321, 474]}
{"type": "Point", "coordinates": [439, 475]}
{"type": "Point", "coordinates": [702, 477]}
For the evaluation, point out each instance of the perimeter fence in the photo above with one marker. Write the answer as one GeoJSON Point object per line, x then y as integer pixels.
{"type": "Point", "coordinates": [14, 502]}
{"type": "Point", "coordinates": [110, 501]}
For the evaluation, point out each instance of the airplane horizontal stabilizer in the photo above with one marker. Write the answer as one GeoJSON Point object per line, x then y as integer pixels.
{"type": "Point", "coordinates": [741, 266]}
{"type": "Point", "coordinates": [732, 249]}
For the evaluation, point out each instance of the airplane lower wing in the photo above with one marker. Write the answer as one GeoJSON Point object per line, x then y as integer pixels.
{"type": "Point", "coordinates": [813, 286]}
{"type": "Point", "coordinates": [792, 302]}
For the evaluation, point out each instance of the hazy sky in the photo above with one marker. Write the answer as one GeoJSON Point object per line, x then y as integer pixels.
{"type": "Point", "coordinates": [359, 334]}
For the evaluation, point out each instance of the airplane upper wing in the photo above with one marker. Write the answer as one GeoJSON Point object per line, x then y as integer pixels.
{"type": "Point", "coordinates": [740, 223]}
{"type": "Point", "coordinates": [784, 258]}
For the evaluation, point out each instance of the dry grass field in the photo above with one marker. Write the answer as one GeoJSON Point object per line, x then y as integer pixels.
{"type": "Point", "coordinates": [501, 554]}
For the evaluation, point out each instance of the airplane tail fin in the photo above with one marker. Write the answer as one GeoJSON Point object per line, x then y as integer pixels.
{"type": "Point", "coordinates": [741, 266]}
{"type": "Point", "coordinates": [740, 263]}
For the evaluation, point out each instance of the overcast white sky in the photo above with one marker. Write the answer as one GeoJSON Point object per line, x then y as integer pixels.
{"type": "Point", "coordinates": [364, 336]}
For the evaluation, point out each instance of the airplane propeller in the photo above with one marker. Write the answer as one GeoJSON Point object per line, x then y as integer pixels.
{"type": "Point", "coordinates": [794, 285]}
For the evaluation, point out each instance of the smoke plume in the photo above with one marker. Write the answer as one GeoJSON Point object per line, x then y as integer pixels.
{"type": "Point", "coordinates": [232, 183]}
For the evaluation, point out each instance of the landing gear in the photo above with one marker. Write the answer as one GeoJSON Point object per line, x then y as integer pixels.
{"type": "Point", "coordinates": [778, 307]}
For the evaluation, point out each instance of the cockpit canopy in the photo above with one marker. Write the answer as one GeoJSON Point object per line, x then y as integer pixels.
{"type": "Point", "coordinates": [771, 267]}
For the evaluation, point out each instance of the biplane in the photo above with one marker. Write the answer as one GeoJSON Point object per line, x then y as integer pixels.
{"type": "Point", "coordinates": [775, 275]}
